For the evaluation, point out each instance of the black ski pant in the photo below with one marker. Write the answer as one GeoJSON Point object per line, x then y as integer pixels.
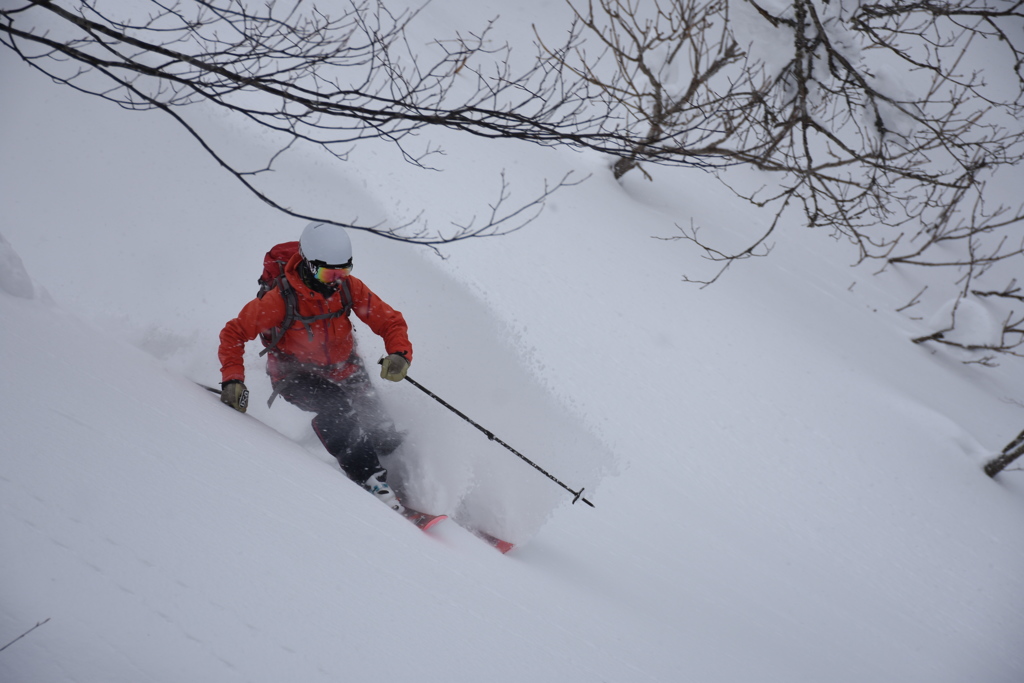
{"type": "Point", "coordinates": [350, 421]}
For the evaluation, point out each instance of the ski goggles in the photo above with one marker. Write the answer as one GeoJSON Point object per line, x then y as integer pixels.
{"type": "Point", "coordinates": [328, 274]}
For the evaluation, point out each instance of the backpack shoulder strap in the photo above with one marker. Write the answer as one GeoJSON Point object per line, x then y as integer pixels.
{"type": "Point", "coordinates": [273, 337]}
{"type": "Point", "coordinates": [346, 296]}
{"type": "Point", "coordinates": [291, 312]}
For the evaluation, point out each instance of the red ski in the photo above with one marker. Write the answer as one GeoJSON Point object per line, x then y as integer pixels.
{"type": "Point", "coordinates": [425, 521]}
{"type": "Point", "coordinates": [422, 520]}
{"type": "Point", "coordinates": [495, 542]}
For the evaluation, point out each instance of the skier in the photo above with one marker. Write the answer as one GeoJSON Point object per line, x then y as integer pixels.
{"type": "Point", "coordinates": [313, 363]}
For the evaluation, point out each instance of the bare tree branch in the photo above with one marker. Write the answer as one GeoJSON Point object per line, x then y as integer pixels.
{"type": "Point", "coordinates": [312, 79]}
{"type": "Point", "coordinates": [875, 121]}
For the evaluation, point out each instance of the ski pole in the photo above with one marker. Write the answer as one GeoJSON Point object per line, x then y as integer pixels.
{"type": "Point", "coordinates": [577, 495]}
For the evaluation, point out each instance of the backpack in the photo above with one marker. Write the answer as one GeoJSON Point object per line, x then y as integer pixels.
{"type": "Point", "coordinates": [273, 277]}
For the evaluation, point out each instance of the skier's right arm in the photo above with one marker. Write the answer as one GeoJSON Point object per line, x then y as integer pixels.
{"type": "Point", "coordinates": [256, 316]}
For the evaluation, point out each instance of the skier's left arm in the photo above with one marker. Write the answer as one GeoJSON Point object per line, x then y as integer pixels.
{"type": "Point", "coordinates": [384, 320]}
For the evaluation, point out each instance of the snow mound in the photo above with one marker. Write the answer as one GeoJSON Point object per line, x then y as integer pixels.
{"type": "Point", "coordinates": [14, 278]}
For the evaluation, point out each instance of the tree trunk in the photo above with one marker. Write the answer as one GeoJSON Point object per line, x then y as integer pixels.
{"type": "Point", "coordinates": [1013, 451]}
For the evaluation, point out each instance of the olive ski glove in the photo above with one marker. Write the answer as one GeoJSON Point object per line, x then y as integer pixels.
{"type": "Point", "coordinates": [394, 367]}
{"type": "Point", "coordinates": [234, 394]}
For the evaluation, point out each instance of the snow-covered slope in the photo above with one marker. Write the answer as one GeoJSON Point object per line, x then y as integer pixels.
{"type": "Point", "coordinates": [786, 488]}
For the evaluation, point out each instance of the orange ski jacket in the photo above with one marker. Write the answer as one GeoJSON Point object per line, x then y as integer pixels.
{"type": "Point", "coordinates": [327, 344]}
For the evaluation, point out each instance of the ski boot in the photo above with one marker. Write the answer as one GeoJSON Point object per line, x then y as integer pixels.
{"type": "Point", "coordinates": [377, 484]}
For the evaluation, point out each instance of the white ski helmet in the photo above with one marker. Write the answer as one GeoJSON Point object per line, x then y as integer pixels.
{"type": "Point", "coordinates": [326, 243]}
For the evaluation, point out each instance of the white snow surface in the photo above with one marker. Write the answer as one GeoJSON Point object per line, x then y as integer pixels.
{"type": "Point", "coordinates": [786, 488]}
